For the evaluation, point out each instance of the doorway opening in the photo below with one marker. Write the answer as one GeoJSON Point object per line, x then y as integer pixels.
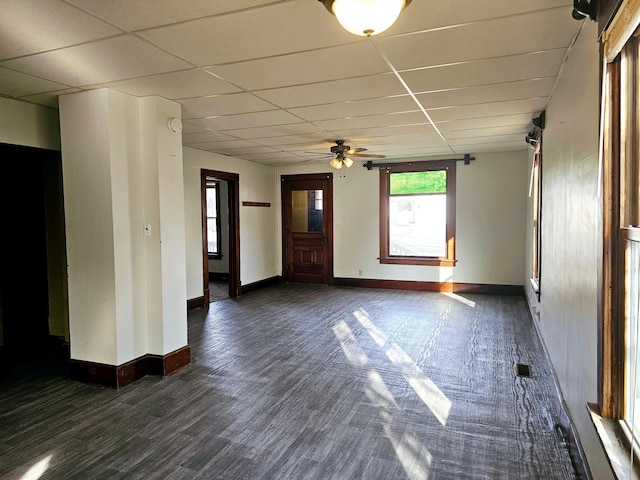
{"type": "Point", "coordinates": [220, 235]}
{"type": "Point", "coordinates": [34, 316]}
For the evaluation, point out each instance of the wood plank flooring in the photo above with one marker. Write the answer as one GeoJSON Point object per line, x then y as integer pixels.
{"type": "Point", "coordinates": [308, 382]}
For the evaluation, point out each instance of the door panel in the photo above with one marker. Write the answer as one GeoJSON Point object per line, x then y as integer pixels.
{"type": "Point", "coordinates": [307, 237]}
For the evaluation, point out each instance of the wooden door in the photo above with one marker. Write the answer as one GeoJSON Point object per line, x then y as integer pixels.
{"type": "Point", "coordinates": [307, 228]}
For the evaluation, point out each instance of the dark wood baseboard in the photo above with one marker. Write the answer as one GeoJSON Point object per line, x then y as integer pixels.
{"type": "Point", "coordinates": [117, 376]}
{"type": "Point", "coordinates": [267, 282]}
{"type": "Point", "coordinates": [197, 302]}
{"type": "Point", "coordinates": [487, 289]}
{"type": "Point", "coordinates": [165, 365]}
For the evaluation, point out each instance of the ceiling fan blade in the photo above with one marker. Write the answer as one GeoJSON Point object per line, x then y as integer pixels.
{"type": "Point", "coordinates": [356, 150]}
{"type": "Point", "coordinates": [370, 155]}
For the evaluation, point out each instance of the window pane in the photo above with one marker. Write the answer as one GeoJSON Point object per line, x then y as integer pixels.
{"type": "Point", "coordinates": [212, 235]}
{"type": "Point", "coordinates": [418, 225]}
{"type": "Point", "coordinates": [211, 202]}
{"type": "Point", "coordinates": [418, 182]}
{"type": "Point", "coordinates": [307, 211]}
{"type": "Point", "coordinates": [632, 386]}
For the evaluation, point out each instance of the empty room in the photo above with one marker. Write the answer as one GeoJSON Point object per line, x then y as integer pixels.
{"type": "Point", "coordinates": [319, 239]}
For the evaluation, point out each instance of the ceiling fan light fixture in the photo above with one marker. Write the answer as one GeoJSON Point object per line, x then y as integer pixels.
{"type": "Point", "coordinates": [366, 17]}
{"type": "Point", "coordinates": [347, 161]}
{"type": "Point", "coordinates": [336, 163]}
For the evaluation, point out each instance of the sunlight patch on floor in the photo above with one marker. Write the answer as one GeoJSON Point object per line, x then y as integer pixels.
{"type": "Point", "coordinates": [376, 334]}
{"type": "Point", "coordinates": [37, 470]}
{"type": "Point", "coordinates": [428, 391]}
{"type": "Point", "coordinates": [349, 344]}
{"type": "Point", "coordinates": [459, 298]}
{"type": "Point", "coordinates": [414, 457]}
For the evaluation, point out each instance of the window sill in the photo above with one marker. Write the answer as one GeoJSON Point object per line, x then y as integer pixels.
{"type": "Point", "coordinates": [433, 262]}
{"type": "Point", "coordinates": [614, 443]}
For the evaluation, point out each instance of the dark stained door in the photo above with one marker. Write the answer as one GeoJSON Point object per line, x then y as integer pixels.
{"type": "Point", "coordinates": [307, 224]}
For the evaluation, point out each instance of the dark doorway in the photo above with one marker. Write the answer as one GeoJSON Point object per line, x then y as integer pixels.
{"type": "Point", "coordinates": [220, 234]}
{"type": "Point", "coordinates": [307, 228]}
{"type": "Point", "coordinates": [24, 291]}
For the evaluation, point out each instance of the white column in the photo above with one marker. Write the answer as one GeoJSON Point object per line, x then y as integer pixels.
{"type": "Point", "coordinates": [122, 170]}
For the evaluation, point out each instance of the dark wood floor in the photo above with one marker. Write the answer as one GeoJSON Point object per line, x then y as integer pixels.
{"type": "Point", "coordinates": [308, 382]}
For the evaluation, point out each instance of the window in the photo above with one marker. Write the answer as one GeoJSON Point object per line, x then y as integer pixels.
{"type": "Point", "coordinates": [535, 193]}
{"type": "Point", "coordinates": [417, 213]}
{"type": "Point", "coordinates": [619, 396]}
{"type": "Point", "coordinates": [214, 243]}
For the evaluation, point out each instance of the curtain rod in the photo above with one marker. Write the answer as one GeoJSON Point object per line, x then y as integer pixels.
{"type": "Point", "coordinates": [369, 165]}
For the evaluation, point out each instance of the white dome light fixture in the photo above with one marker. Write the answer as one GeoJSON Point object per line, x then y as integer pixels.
{"type": "Point", "coordinates": [365, 17]}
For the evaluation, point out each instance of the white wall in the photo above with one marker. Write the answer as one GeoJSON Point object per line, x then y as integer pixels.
{"type": "Point", "coordinates": [259, 230]}
{"type": "Point", "coordinates": [491, 197]}
{"type": "Point", "coordinates": [30, 125]}
{"type": "Point", "coordinates": [570, 239]}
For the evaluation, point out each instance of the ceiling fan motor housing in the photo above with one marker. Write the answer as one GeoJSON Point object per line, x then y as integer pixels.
{"type": "Point", "coordinates": [340, 147]}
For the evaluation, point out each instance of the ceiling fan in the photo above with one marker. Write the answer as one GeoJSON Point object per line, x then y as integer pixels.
{"type": "Point", "coordinates": [341, 154]}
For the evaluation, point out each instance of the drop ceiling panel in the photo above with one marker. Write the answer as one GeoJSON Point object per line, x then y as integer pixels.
{"type": "Point", "coordinates": [204, 137]}
{"type": "Point", "coordinates": [140, 14]}
{"type": "Point", "coordinates": [428, 15]}
{"type": "Point", "coordinates": [257, 150]}
{"type": "Point", "coordinates": [193, 127]}
{"type": "Point", "coordinates": [297, 142]}
{"type": "Point", "coordinates": [49, 99]}
{"type": "Point", "coordinates": [488, 93]}
{"type": "Point", "coordinates": [358, 108]}
{"type": "Point", "coordinates": [225, 146]}
{"type": "Point", "coordinates": [373, 121]}
{"type": "Point", "coordinates": [487, 39]}
{"type": "Point", "coordinates": [240, 36]}
{"type": "Point", "coordinates": [19, 84]}
{"type": "Point", "coordinates": [33, 26]}
{"type": "Point", "coordinates": [223, 105]}
{"type": "Point", "coordinates": [486, 72]}
{"type": "Point", "coordinates": [257, 119]}
{"type": "Point", "coordinates": [349, 89]}
{"type": "Point", "coordinates": [488, 110]}
{"type": "Point", "coordinates": [491, 139]}
{"type": "Point", "coordinates": [519, 130]}
{"type": "Point", "coordinates": [389, 131]}
{"type": "Point", "coordinates": [274, 131]}
{"type": "Point", "coordinates": [103, 61]}
{"type": "Point", "coordinates": [346, 61]}
{"type": "Point", "coordinates": [190, 83]}
{"type": "Point", "coordinates": [486, 122]}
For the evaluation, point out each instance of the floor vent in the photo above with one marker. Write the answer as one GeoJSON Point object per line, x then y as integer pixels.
{"type": "Point", "coordinates": [523, 370]}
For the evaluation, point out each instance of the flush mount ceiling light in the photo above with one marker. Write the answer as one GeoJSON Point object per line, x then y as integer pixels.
{"type": "Point", "coordinates": [365, 17]}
